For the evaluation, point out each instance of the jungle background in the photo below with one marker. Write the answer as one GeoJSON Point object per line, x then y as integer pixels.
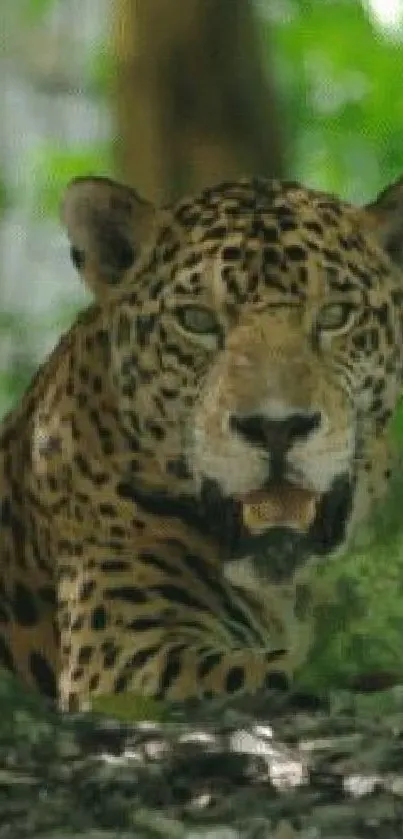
{"type": "Point", "coordinates": [170, 95]}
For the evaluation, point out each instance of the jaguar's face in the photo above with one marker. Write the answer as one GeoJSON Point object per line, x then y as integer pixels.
{"type": "Point", "coordinates": [260, 349]}
{"type": "Point", "coordinates": [275, 434]}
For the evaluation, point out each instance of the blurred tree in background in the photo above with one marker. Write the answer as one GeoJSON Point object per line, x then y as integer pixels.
{"type": "Point", "coordinates": [170, 100]}
{"type": "Point", "coordinates": [193, 104]}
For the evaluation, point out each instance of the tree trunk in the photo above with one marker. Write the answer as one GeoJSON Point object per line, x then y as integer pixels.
{"type": "Point", "coordinates": [193, 105]}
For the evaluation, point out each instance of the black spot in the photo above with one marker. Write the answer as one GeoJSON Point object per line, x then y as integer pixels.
{"type": "Point", "coordinates": [107, 510]}
{"type": "Point", "coordinates": [97, 384]}
{"type": "Point", "coordinates": [77, 674]}
{"type": "Point", "coordinates": [110, 658]}
{"type": "Point", "coordinates": [171, 670]}
{"type": "Point", "coordinates": [169, 393]}
{"type": "Point", "coordinates": [145, 376]}
{"type": "Point", "coordinates": [169, 252]}
{"type": "Point", "coordinates": [378, 388]}
{"type": "Point", "coordinates": [129, 390]}
{"type": "Point", "coordinates": [24, 606]}
{"type": "Point", "coordinates": [178, 468]}
{"type": "Point", "coordinates": [118, 532]}
{"type": "Point", "coordinates": [143, 624]}
{"type": "Point", "coordinates": [74, 704]}
{"type": "Point", "coordinates": [141, 657]}
{"type": "Point", "coordinates": [43, 674]}
{"type": "Point", "coordinates": [332, 256]}
{"type": "Point", "coordinates": [208, 664]}
{"type": "Point", "coordinates": [231, 254]}
{"type": "Point", "coordinates": [130, 594]}
{"type": "Point", "coordinates": [207, 695]}
{"type": "Point", "coordinates": [124, 330]}
{"type": "Point", "coordinates": [303, 701]}
{"type": "Point", "coordinates": [176, 594]}
{"type": "Point", "coordinates": [235, 679]}
{"type": "Point", "coordinates": [114, 566]}
{"type": "Point", "coordinates": [102, 338]}
{"type": "Point", "coordinates": [84, 374]}
{"type": "Point", "coordinates": [6, 659]}
{"type": "Point", "coordinates": [5, 512]}
{"type": "Point", "coordinates": [274, 655]}
{"type": "Point", "coordinates": [296, 253]}
{"type": "Point", "coordinates": [376, 405]}
{"type": "Point", "coordinates": [94, 682]}
{"type": "Point", "coordinates": [121, 682]}
{"type": "Point", "coordinates": [5, 617]}
{"type": "Point", "coordinates": [373, 340]}
{"type": "Point", "coordinates": [155, 288]}
{"type": "Point", "coordinates": [78, 624]}
{"type": "Point", "coordinates": [303, 274]}
{"type": "Point", "coordinates": [287, 223]}
{"type": "Point", "coordinates": [86, 590]}
{"type": "Point", "coordinates": [48, 595]}
{"type": "Point", "coordinates": [269, 234]}
{"type": "Point", "coordinates": [107, 447]}
{"type": "Point", "coordinates": [85, 654]}
{"type": "Point", "coordinates": [271, 256]}
{"type": "Point", "coordinates": [144, 326]}
{"type": "Point", "coordinates": [18, 533]}
{"type": "Point", "coordinates": [158, 562]}
{"type": "Point", "coordinates": [314, 226]}
{"type": "Point", "coordinates": [82, 465]}
{"type": "Point", "coordinates": [77, 257]}
{"type": "Point", "coordinates": [99, 618]}
{"type": "Point", "coordinates": [276, 680]}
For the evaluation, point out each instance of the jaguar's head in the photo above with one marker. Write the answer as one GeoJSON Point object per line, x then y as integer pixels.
{"type": "Point", "coordinates": [256, 346]}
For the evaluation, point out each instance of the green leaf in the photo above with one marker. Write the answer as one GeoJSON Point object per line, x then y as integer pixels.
{"type": "Point", "coordinates": [129, 707]}
{"type": "Point", "coordinates": [52, 168]}
{"type": "Point", "coordinates": [36, 10]}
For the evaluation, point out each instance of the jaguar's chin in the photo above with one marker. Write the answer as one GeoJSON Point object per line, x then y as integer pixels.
{"type": "Point", "coordinates": [279, 527]}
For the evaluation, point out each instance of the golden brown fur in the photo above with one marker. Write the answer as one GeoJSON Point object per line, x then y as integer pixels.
{"type": "Point", "coordinates": [249, 337]}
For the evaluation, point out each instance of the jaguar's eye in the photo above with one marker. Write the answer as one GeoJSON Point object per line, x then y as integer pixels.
{"type": "Point", "coordinates": [198, 320]}
{"type": "Point", "coordinates": [335, 316]}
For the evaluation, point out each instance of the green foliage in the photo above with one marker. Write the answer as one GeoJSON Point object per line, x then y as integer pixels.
{"type": "Point", "coordinates": [52, 168]}
{"type": "Point", "coordinates": [4, 194]}
{"type": "Point", "coordinates": [35, 10]}
{"type": "Point", "coordinates": [101, 70]}
{"type": "Point", "coordinates": [129, 707]}
{"type": "Point", "coordinates": [340, 82]}
{"type": "Point", "coordinates": [14, 379]}
{"type": "Point", "coordinates": [360, 628]}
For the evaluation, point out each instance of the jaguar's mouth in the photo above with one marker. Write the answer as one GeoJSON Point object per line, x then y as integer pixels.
{"type": "Point", "coordinates": [279, 526]}
{"type": "Point", "coordinates": [281, 505]}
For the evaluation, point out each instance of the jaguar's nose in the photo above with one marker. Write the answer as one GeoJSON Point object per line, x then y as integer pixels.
{"type": "Point", "coordinates": [275, 434]}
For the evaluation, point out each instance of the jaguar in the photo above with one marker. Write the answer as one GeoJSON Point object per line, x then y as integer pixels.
{"type": "Point", "coordinates": [212, 429]}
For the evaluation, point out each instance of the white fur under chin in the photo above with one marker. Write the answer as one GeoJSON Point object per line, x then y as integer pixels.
{"type": "Point", "coordinates": [242, 572]}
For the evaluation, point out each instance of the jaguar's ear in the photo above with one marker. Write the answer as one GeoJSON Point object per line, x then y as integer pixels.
{"type": "Point", "coordinates": [109, 228]}
{"type": "Point", "coordinates": [386, 214]}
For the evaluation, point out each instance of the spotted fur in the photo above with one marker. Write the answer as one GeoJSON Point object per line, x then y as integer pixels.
{"type": "Point", "coordinates": [248, 337]}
